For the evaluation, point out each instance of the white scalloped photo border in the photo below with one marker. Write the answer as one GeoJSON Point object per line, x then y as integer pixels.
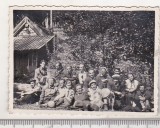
{"type": "Point", "coordinates": [59, 114]}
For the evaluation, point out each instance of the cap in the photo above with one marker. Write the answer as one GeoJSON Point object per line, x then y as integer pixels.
{"type": "Point", "coordinates": [116, 76]}
{"type": "Point", "coordinates": [104, 68]}
{"type": "Point", "coordinates": [92, 81]}
{"type": "Point", "coordinates": [117, 70]}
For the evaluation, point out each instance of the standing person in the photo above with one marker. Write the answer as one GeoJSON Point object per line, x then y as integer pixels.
{"type": "Point", "coordinates": [58, 74]}
{"type": "Point", "coordinates": [130, 89]}
{"type": "Point", "coordinates": [41, 74]}
{"type": "Point", "coordinates": [89, 78]}
{"type": "Point", "coordinates": [82, 74]}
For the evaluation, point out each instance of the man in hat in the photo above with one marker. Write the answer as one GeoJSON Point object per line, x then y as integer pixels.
{"type": "Point", "coordinates": [119, 94]}
{"type": "Point", "coordinates": [89, 78]}
{"type": "Point", "coordinates": [116, 73]}
{"type": "Point", "coordinates": [95, 96]}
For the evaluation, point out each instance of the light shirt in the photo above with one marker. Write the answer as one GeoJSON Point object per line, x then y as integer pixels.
{"type": "Point", "coordinates": [82, 77]}
{"type": "Point", "coordinates": [95, 97]}
{"type": "Point", "coordinates": [131, 85]}
{"type": "Point", "coordinates": [65, 92]}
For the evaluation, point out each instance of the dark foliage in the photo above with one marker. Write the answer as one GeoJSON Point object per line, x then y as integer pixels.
{"type": "Point", "coordinates": [103, 37]}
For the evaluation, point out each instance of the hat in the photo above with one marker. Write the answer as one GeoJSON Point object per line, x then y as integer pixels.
{"type": "Point", "coordinates": [116, 76]}
{"type": "Point", "coordinates": [104, 68]}
{"type": "Point", "coordinates": [92, 81]}
{"type": "Point", "coordinates": [117, 70]}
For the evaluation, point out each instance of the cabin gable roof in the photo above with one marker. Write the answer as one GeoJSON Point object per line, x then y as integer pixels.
{"type": "Point", "coordinates": [38, 30]}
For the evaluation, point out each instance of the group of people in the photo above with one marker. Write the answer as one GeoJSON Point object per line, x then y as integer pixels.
{"type": "Point", "coordinates": [92, 90]}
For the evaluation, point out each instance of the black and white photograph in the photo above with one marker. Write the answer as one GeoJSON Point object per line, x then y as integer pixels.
{"type": "Point", "coordinates": [83, 60]}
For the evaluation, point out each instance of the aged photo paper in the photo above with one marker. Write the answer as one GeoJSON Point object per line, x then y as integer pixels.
{"type": "Point", "coordinates": [84, 60]}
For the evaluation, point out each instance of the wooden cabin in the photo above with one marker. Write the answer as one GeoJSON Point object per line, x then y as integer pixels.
{"type": "Point", "coordinates": [32, 43]}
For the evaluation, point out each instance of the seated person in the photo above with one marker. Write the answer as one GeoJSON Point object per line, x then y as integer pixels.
{"type": "Point", "coordinates": [131, 88]}
{"type": "Point", "coordinates": [65, 95]}
{"type": "Point", "coordinates": [48, 93]}
{"type": "Point", "coordinates": [59, 72]}
{"type": "Point", "coordinates": [89, 78]}
{"type": "Point", "coordinates": [75, 74]}
{"type": "Point", "coordinates": [119, 94]}
{"type": "Point", "coordinates": [119, 75]}
{"type": "Point", "coordinates": [81, 98]}
{"type": "Point", "coordinates": [95, 96]}
{"type": "Point", "coordinates": [143, 98]}
{"type": "Point", "coordinates": [105, 83]}
{"type": "Point", "coordinates": [116, 73]}
{"type": "Point", "coordinates": [30, 94]}
{"type": "Point", "coordinates": [68, 74]}
{"type": "Point", "coordinates": [103, 79]}
{"type": "Point", "coordinates": [41, 74]}
{"type": "Point", "coordinates": [74, 70]}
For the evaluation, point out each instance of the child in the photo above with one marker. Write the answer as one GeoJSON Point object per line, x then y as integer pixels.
{"type": "Point", "coordinates": [81, 98]}
{"type": "Point", "coordinates": [66, 95]}
{"type": "Point", "coordinates": [95, 96]}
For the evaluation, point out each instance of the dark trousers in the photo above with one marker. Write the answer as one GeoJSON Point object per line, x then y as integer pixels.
{"type": "Point", "coordinates": [31, 98]}
{"type": "Point", "coordinates": [132, 109]}
{"type": "Point", "coordinates": [129, 97]}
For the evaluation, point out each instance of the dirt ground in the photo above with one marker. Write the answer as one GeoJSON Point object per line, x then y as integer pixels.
{"type": "Point", "coordinates": [36, 107]}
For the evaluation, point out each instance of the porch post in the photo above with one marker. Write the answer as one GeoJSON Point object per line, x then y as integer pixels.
{"type": "Point", "coordinates": [28, 63]}
{"type": "Point", "coordinates": [36, 59]}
